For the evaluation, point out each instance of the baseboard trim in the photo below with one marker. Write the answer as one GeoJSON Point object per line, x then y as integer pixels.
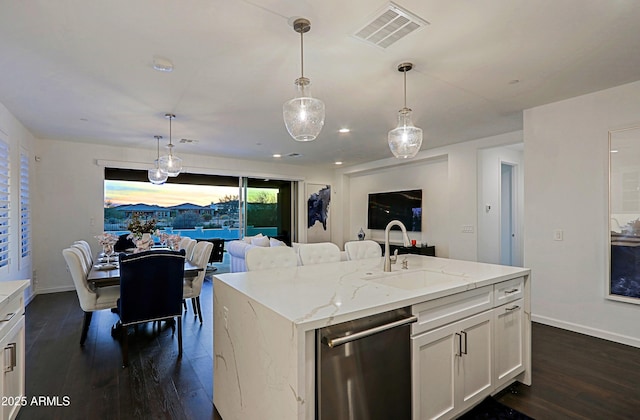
{"type": "Point", "coordinates": [54, 290]}
{"type": "Point", "coordinates": [582, 329]}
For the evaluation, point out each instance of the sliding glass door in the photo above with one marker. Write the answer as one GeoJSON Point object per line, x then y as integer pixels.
{"type": "Point", "coordinates": [269, 208]}
{"type": "Point", "coordinates": [201, 206]}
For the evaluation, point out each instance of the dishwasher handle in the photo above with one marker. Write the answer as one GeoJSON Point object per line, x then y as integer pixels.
{"type": "Point", "coordinates": [338, 341]}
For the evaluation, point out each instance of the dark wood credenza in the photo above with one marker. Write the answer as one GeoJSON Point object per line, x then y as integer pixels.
{"type": "Point", "coordinates": [429, 251]}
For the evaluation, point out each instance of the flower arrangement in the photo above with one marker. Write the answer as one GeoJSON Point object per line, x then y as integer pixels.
{"type": "Point", "coordinates": [138, 228]}
{"type": "Point", "coordinates": [172, 241]}
{"type": "Point", "coordinates": [107, 240]}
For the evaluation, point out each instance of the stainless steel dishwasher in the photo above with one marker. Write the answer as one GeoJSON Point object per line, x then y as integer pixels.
{"type": "Point", "coordinates": [363, 368]}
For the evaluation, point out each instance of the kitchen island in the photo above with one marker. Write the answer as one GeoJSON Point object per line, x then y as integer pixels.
{"type": "Point", "coordinates": [265, 325]}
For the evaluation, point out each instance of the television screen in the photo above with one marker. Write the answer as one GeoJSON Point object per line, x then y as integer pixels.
{"type": "Point", "coordinates": [405, 206]}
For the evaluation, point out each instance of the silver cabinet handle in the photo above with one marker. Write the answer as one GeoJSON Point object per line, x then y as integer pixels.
{"type": "Point", "coordinates": [12, 348]}
{"type": "Point", "coordinates": [337, 341]}
{"type": "Point", "coordinates": [513, 308]}
{"type": "Point", "coordinates": [508, 292]}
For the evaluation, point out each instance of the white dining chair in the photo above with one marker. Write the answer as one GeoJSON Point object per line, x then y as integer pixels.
{"type": "Point", "coordinates": [85, 260]}
{"type": "Point", "coordinates": [86, 249]}
{"type": "Point", "coordinates": [358, 250]}
{"type": "Point", "coordinates": [192, 286]}
{"type": "Point", "coordinates": [90, 300]}
{"type": "Point", "coordinates": [318, 253]}
{"type": "Point", "coordinates": [264, 258]}
{"type": "Point", "coordinates": [189, 248]}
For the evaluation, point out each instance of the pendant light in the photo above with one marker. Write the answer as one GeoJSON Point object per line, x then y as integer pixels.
{"type": "Point", "coordinates": [303, 115]}
{"type": "Point", "coordinates": [405, 140]}
{"type": "Point", "coordinates": [156, 175]}
{"type": "Point", "coordinates": [170, 164]}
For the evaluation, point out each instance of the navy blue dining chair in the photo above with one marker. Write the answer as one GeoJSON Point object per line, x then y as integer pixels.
{"type": "Point", "coordinates": [150, 290]}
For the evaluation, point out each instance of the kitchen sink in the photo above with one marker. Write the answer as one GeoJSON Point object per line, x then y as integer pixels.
{"type": "Point", "coordinates": [414, 279]}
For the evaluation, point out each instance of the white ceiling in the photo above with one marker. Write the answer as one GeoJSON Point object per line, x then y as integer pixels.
{"type": "Point", "coordinates": [82, 70]}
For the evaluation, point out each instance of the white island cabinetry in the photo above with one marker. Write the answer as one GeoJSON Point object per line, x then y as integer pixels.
{"type": "Point", "coordinates": [265, 326]}
{"type": "Point", "coordinates": [12, 385]}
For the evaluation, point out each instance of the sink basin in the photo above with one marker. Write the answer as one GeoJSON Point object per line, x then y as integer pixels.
{"type": "Point", "coordinates": [414, 279]}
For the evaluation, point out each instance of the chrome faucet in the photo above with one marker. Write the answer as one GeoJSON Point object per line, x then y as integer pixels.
{"type": "Point", "coordinates": [388, 259]}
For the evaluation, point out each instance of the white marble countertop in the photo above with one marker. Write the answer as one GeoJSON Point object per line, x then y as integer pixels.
{"type": "Point", "coordinates": [318, 295]}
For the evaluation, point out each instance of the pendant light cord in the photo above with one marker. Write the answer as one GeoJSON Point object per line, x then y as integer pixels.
{"type": "Point", "coordinates": [301, 54]}
{"type": "Point", "coordinates": [405, 88]}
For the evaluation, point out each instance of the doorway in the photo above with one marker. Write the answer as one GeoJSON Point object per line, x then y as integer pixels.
{"type": "Point", "coordinates": [507, 215]}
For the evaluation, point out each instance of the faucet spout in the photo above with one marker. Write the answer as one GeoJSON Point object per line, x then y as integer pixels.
{"type": "Point", "coordinates": [387, 253]}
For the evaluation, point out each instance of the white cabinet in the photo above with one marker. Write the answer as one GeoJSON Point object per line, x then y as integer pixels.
{"type": "Point", "coordinates": [452, 362]}
{"type": "Point", "coordinates": [508, 323]}
{"type": "Point", "coordinates": [12, 348]}
{"type": "Point", "coordinates": [452, 367]}
{"type": "Point", "coordinates": [465, 347]}
{"type": "Point", "coordinates": [12, 381]}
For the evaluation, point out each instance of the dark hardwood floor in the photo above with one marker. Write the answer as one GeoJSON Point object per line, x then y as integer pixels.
{"type": "Point", "coordinates": [574, 376]}
{"type": "Point", "coordinates": [155, 385]}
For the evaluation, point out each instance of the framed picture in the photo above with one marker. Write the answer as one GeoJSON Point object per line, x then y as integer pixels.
{"type": "Point", "coordinates": [318, 215]}
{"type": "Point", "coordinates": [623, 282]}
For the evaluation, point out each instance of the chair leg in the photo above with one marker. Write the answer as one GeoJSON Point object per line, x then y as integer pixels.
{"type": "Point", "coordinates": [195, 308]}
{"type": "Point", "coordinates": [85, 327]}
{"type": "Point", "coordinates": [125, 346]}
{"type": "Point", "coordinates": [179, 337]}
{"type": "Point", "coordinates": [197, 298]}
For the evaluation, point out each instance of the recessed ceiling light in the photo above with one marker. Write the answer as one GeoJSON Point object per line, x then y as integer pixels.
{"type": "Point", "coordinates": [344, 130]}
{"type": "Point", "coordinates": [162, 64]}
{"type": "Point", "coordinates": [277, 155]}
{"type": "Point", "coordinates": [338, 163]}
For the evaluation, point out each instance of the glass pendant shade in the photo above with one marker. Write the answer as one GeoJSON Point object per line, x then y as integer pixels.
{"type": "Point", "coordinates": [303, 115]}
{"type": "Point", "coordinates": [156, 175]}
{"type": "Point", "coordinates": [170, 164]}
{"type": "Point", "coordinates": [405, 140]}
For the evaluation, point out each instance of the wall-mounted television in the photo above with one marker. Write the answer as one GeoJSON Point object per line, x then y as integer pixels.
{"type": "Point", "coordinates": [405, 206]}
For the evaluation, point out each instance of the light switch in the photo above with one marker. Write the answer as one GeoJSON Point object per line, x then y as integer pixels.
{"type": "Point", "coordinates": [467, 228]}
{"type": "Point", "coordinates": [558, 235]}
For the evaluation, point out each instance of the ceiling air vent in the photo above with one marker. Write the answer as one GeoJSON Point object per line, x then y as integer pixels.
{"type": "Point", "coordinates": [184, 141]}
{"type": "Point", "coordinates": [389, 26]}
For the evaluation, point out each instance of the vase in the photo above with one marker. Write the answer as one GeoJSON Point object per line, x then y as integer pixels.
{"type": "Point", "coordinates": [361, 235]}
{"type": "Point", "coordinates": [144, 243]}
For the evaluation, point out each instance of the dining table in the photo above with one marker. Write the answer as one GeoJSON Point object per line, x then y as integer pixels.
{"type": "Point", "coordinates": [107, 273]}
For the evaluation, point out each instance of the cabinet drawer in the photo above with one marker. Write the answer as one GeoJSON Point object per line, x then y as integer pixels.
{"type": "Point", "coordinates": [11, 310]}
{"type": "Point", "coordinates": [508, 291]}
{"type": "Point", "coordinates": [438, 312]}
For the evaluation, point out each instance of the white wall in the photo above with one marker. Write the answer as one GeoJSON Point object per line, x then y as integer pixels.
{"type": "Point", "coordinates": [566, 183]}
{"type": "Point", "coordinates": [18, 138]}
{"type": "Point", "coordinates": [430, 176]}
{"type": "Point", "coordinates": [70, 195]}
{"type": "Point", "coordinates": [448, 176]}
{"type": "Point", "coordinates": [489, 193]}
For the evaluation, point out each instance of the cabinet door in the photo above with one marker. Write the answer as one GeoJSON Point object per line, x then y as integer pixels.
{"type": "Point", "coordinates": [452, 367]}
{"type": "Point", "coordinates": [509, 341]}
{"type": "Point", "coordinates": [434, 367]}
{"type": "Point", "coordinates": [476, 370]}
{"type": "Point", "coordinates": [12, 382]}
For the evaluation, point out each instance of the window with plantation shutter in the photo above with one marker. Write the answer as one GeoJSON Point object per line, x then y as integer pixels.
{"type": "Point", "coordinates": [4, 204]}
{"type": "Point", "coordinates": [25, 207]}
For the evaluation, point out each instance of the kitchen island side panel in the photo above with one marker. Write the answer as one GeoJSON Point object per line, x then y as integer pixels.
{"type": "Point", "coordinates": [258, 360]}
